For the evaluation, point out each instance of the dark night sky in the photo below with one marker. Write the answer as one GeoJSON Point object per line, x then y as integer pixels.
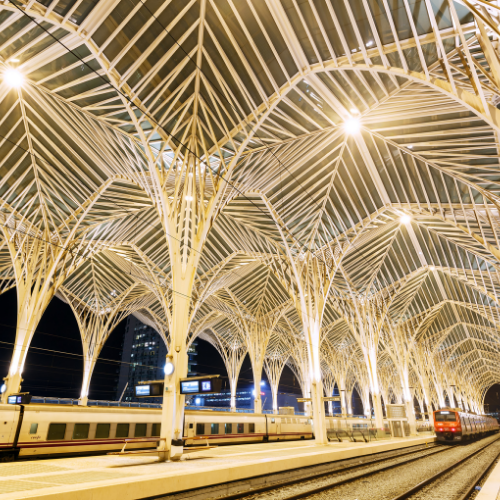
{"type": "Point", "coordinates": [59, 374]}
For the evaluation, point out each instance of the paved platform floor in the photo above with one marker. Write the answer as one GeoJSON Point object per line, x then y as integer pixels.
{"type": "Point", "coordinates": [108, 477]}
{"type": "Point", "coordinates": [491, 488]}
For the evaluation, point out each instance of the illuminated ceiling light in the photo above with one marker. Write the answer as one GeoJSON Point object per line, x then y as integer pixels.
{"type": "Point", "coordinates": [189, 198]}
{"type": "Point", "coordinates": [405, 219]}
{"type": "Point", "coordinates": [369, 43]}
{"type": "Point", "coordinates": [354, 111]}
{"type": "Point", "coordinates": [410, 146]}
{"type": "Point", "coordinates": [169, 368]}
{"type": "Point", "coordinates": [13, 77]}
{"type": "Point", "coordinates": [432, 268]}
{"type": "Point", "coordinates": [14, 60]}
{"type": "Point", "coordinates": [352, 126]}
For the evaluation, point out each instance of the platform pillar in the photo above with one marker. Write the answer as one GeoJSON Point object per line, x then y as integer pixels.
{"type": "Point", "coordinates": [318, 408]}
{"type": "Point", "coordinates": [89, 365]}
{"type": "Point", "coordinates": [172, 418]}
{"type": "Point", "coordinates": [26, 325]}
{"type": "Point", "coordinates": [173, 407]}
{"type": "Point", "coordinates": [379, 415]}
{"type": "Point", "coordinates": [257, 401]}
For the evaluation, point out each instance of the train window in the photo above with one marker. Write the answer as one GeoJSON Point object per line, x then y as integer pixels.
{"type": "Point", "coordinates": [81, 431]}
{"type": "Point", "coordinates": [33, 428]}
{"type": "Point", "coordinates": [155, 430]}
{"type": "Point", "coordinates": [200, 429]}
{"type": "Point", "coordinates": [241, 428]}
{"type": "Point", "coordinates": [228, 428]}
{"type": "Point", "coordinates": [140, 430]}
{"type": "Point", "coordinates": [251, 427]}
{"type": "Point", "coordinates": [445, 416]}
{"type": "Point", "coordinates": [122, 430]}
{"type": "Point", "coordinates": [102, 431]}
{"type": "Point", "coordinates": [214, 429]}
{"type": "Point", "coordinates": [56, 432]}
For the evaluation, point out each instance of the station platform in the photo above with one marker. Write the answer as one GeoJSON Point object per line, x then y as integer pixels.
{"type": "Point", "coordinates": [491, 488]}
{"type": "Point", "coordinates": [107, 477]}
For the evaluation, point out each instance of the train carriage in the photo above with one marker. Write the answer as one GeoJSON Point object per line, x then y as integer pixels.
{"type": "Point", "coordinates": [57, 430]}
{"type": "Point", "coordinates": [453, 424]}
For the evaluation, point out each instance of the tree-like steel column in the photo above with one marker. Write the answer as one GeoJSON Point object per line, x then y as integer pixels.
{"type": "Point", "coordinates": [232, 349]}
{"type": "Point", "coordinates": [274, 361]}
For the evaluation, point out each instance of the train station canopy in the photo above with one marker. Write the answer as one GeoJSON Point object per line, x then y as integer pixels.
{"type": "Point", "coordinates": [329, 169]}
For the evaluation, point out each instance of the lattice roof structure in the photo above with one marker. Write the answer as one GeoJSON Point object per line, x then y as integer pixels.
{"type": "Point", "coordinates": [332, 165]}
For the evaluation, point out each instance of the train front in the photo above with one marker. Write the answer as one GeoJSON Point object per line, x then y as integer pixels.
{"type": "Point", "coordinates": [447, 425]}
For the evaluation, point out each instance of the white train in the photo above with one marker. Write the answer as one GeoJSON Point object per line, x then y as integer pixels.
{"type": "Point", "coordinates": [49, 430]}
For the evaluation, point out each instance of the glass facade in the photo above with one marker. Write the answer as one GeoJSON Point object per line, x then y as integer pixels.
{"type": "Point", "coordinates": [143, 359]}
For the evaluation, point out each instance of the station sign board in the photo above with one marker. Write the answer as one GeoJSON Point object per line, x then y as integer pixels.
{"type": "Point", "coordinates": [331, 398]}
{"type": "Point", "coordinates": [149, 390]}
{"type": "Point", "coordinates": [193, 386]}
{"type": "Point", "coordinates": [19, 399]}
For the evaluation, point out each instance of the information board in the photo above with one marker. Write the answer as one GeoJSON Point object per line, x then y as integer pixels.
{"type": "Point", "coordinates": [190, 387]}
{"type": "Point", "coordinates": [149, 390]}
{"type": "Point", "coordinates": [19, 399]}
{"type": "Point", "coordinates": [201, 386]}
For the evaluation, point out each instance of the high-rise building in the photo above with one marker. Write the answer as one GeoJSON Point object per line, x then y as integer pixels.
{"type": "Point", "coordinates": [143, 358]}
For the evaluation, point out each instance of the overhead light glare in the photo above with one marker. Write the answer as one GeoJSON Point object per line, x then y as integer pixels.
{"type": "Point", "coordinates": [405, 219]}
{"type": "Point", "coordinates": [354, 111]}
{"type": "Point", "coordinates": [169, 368]}
{"type": "Point", "coordinates": [410, 146]}
{"type": "Point", "coordinates": [432, 268]}
{"type": "Point", "coordinates": [13, 77]}
{"type": "Point", "coordinates": [352, 126]}
{"type": "Point", "coordinates": [369, 43]}
{"type": "Point", "coordinates": [189, 198]}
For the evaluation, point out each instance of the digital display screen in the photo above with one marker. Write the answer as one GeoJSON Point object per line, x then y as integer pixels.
{"type": "Point", "coordinates": [12, 400]}
{"type": "Point", "coordinates": [142, 390]}
{"type": "Point", "coordinates": [206, 386]}
{"type": "Point", "coordinates": [190, 386]}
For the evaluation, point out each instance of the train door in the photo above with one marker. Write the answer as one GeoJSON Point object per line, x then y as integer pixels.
{"type": "Point", "coordinates": [190, 427]}
{"type": "Point", "coordinates": [278, 427]}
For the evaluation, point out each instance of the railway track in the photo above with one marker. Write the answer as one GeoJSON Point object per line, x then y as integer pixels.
{"type": "Point", "coordinates": [457, 481]}
{"type": "Point", "coordinates": [369, 479]}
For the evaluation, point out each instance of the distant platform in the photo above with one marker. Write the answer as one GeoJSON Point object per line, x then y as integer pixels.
{"type": "Point", "coordinates": [108, 477]}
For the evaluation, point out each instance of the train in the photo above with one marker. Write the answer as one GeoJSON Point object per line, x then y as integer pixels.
{"type": "Point", "coordinates": [48, 430]}
{"type": "Point", "coordinates": [455, 425]}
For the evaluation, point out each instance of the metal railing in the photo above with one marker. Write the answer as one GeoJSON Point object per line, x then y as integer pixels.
{"type": "Point", "coordinates": [92, 402]}
{"type": "Point", "coordinates": [134, 404]}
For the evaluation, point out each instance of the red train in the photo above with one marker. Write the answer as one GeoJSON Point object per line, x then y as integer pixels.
{"type": "Point", "coordinates": [453, 424]}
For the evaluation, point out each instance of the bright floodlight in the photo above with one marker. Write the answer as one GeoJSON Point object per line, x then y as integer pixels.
{"type": "Point", "coordinates": [169, 368]}
{"type": "Point", "coordinates": [352, 126]}
{"type": "Point", "coordinates": [405, 219]}
{"type": "Point", "coordinates": [3, 388]}
{"type": "Point", "coordinates": [13, 77]}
